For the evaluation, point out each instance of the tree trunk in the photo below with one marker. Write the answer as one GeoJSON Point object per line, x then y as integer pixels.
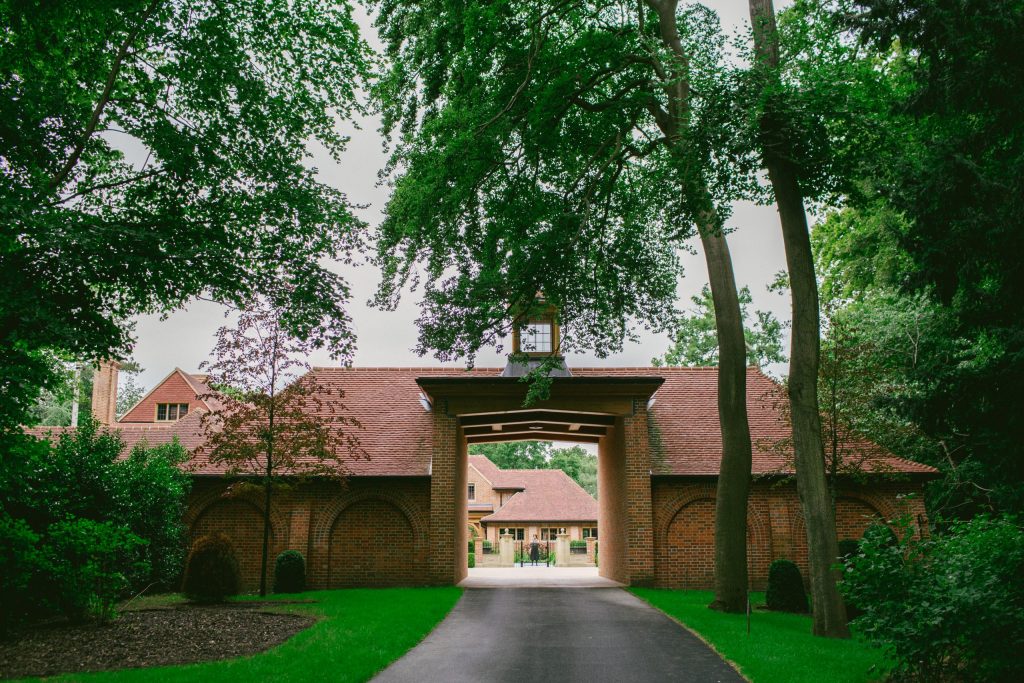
{"type": "Point", "coordinates": [734, 474]}
{"type": "Point", "coordinates": [731, 580]}
{"type": "Point", "coordinates": [267, 486]}
{"type": "Point", "coordinates": [808, 449]}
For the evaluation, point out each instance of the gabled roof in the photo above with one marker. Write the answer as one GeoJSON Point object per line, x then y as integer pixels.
{"type": "Point", "coordinates": [547, 496]}
{"type": "Point", "coordinates": [395, 430]}
{"type": "Point", "coordinates": [198, 385]}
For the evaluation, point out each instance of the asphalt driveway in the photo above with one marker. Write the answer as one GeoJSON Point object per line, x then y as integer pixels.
{"type": "Point", "coordinates": [557, 634]}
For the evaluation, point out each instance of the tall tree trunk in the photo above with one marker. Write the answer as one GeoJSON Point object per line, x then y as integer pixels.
{"type": "Point", "coordinates": [267, 486]}
{"type": "Point", "coordinates": [808, 449]}
{"type": "Point", "coordinates": [734, 474]}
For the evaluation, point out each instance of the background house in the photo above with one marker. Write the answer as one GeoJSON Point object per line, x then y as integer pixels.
{"type": "Point", "coordinates": [527, 503]}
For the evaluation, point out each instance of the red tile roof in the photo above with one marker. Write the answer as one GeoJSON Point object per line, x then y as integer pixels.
{"type": "Point", "coordinates": [395, 428]}
{"type": "Point", "coordinates": [547, 495]}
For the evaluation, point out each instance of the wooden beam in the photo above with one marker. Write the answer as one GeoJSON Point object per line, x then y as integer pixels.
{"type": "Point", "coordinates": [534, 436]}
{"type": "Point", "coordinates": [485, 430]}
{"type": "Point", "coordinates": [548, 416]}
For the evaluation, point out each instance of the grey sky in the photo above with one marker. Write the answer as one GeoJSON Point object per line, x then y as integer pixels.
{"type": "Point", "coordinates": [184, 338]}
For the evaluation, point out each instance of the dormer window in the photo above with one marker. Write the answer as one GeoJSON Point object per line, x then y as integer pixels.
{"type": "Point", "coordinates": [537, 337]}
{"type": "Point", "coordinates": [169, 412]}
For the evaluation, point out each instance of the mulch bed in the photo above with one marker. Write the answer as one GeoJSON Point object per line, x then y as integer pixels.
{"type": "Point", "coordinates": [181, 634]}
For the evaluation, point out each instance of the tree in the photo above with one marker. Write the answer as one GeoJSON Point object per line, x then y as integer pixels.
{"type": "Point", "coordinates": [569, 149]}
{"type": "Point", "coordinates": [695, 341]}
{"type": "Point", "coordinates": [274, 422]}
{"type": "Point", "coordinates": [155, 151]}
{"type": "Point", "coordinates": [515, 455]}
{"type": "Point", "coordinates": [954, 174]}
{"type": "Point", "coordinates": [580, 465]}
{"type": "Point", "coordinates": [128, 392]}
{"type": "Point", "coordinates": [811, 100]}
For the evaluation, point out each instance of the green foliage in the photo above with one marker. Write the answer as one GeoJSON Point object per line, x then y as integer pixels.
{"type": "Point", "coordinates": [154, 151]}
{"type": "Point", "coordinates": [91, 565]}
{"type": "Point", "coordinates": [472, 560]}
{"type": "Point", "coordinates": [290, 572]}
{"type": "Point", "coordinates": [695, 339]}
{"type": "Point", "coordinates": [488, 545]}
{"type": "Point", "coordinates": [948, 607]}
{"type": "Point", "coordinates": [83, 525]}
{"type": "Point", "coordinates": [533, 153]}
{"type": "Point", "coordinates": [211, 572]}
{"type": "Point", "coordinates": [785, 588]}
{"type": "Point", "coordinates": [922, 260]}
{"type": "Point", "coordinates": [577, 544]}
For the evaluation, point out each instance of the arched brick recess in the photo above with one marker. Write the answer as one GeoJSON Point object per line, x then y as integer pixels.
{"type": "Point", "coordinates": [854, 516]}
{"type": "Point", "coordinates": [373, 543]}
{"type": "Point", "coordinates": [242, 522]}
{"type": "Point", "coordinates": [687, 557]}
{"type": "Point", "coordinates": [685, 550]}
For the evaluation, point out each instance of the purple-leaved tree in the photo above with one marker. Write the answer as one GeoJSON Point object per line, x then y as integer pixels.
{"type": "Point", "coordinates": [272, 422]}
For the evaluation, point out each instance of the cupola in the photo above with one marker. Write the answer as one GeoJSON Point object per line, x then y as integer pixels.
{"type": "Point", "coordinates": [536, 337]}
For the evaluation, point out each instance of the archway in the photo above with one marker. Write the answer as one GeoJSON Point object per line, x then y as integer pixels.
{"type": "Point", "coordinates": [610, 412]}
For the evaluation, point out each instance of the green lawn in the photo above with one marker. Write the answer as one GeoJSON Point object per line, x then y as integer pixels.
{"type": "Point", "coordinates": [780, 646]}
{"type": "Point", "coordinates": [361, 631]}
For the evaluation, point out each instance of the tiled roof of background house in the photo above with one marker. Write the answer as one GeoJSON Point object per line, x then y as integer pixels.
{"type": "Point", "coordinates": [547, 496]}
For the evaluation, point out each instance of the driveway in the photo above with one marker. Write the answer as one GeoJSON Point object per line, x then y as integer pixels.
{"type": "Point", "coordinates": [536, 577]}
{"type": "Point", "coordinates": [557, 634]}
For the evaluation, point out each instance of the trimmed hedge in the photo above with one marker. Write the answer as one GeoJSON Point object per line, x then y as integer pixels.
{"type": "Point", "coordinates": [290, 572]}
{"type": "Point", "coordinates": [785, 588]}
{"type": "Point", "coordinates": [211, 573]}
{"type": "Point", "coordinates": [472, 560]}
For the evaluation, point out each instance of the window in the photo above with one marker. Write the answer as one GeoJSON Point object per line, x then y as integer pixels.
{"type": "Point", "coordinates": [537, 337]}
{"type": "Point", "coordinates": [168, 412]}
{"type": "Point", "coordinates": [518, 534]}
{"type": "Point", "coordinates": [548, 534]}
{"type": "Point", "coordinates": [472, 491]}
{"type": "Point", "coordinates": [590, 532]}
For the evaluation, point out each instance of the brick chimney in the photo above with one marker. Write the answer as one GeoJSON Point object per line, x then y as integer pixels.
{"type": "Point", "coordinates": [104, 392]}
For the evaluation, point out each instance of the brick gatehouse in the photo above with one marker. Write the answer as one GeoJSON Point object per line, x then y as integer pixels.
{"type": "Point", "coordinates": [402, 517]}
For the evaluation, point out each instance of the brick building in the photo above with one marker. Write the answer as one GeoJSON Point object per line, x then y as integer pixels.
{"type": "Point", "coordinates": [527, 503]}
{"type": "Point", "coordinates": [402, 518]}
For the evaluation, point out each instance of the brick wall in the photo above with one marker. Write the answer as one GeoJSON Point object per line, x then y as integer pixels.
{"type": "Point", "coordinates": [371, 532]}
{"type": "Point", "coordinates": [684, 526]}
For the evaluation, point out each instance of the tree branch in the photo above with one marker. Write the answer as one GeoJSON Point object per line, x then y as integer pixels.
{"type": "Point", "coordinates": [97, 111]}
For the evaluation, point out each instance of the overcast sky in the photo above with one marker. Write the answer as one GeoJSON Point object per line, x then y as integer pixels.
{"type": "Point", "coordinates": [184, 338]}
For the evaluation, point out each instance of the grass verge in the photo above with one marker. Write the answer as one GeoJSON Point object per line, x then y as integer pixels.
{"type": "Point", "coordinates": [360, 632]}
{"type": "Point", "coordinates": [780, 647]}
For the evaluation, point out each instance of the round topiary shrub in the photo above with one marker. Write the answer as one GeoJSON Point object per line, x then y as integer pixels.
{"type": "Point", "coordinates": [211, 571]}
{"type": "Point", "coordinates": [290, 572]}
{"type": "Point", "coordinates": [785, 588]}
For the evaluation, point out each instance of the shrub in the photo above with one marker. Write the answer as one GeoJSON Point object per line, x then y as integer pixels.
{"type": "Point", "coordinates": [60, 497]}
{"type": "Point", "coordinates": [211, 573]}
{"type": "Point", "coordinates": [470, 545]}
{"type": "Point", "coordinates": [949, 607]}
{"type": "Point", "coordinates": [785, 588]}
{"type": "Point", "coordinates": [89, 563]}
{"type": "Point", "coordinates": [472, 560]}
{"type": "Point", "coordinates": [290, 572]}
{"type": "Point", "coordinates": [577, 544]}
{"type": "Point", "coordinates": [488, 545]}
